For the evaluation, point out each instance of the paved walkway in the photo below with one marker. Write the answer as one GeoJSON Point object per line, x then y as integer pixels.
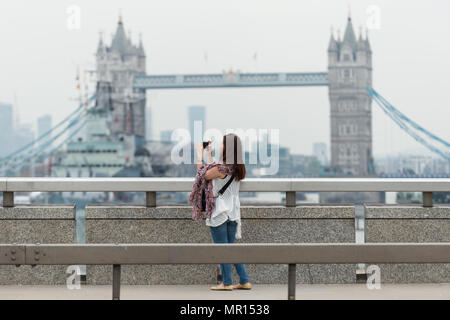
{"type": "Point", "coordinates": [259, 292]}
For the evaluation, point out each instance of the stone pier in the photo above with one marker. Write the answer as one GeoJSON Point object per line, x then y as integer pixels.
{"type": "Point", "coordinates": [410, 223]}
{"type": "Point", "coordinates": [36, 224]}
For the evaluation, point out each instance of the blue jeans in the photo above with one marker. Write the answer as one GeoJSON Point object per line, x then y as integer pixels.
{"type": "Point", "coordinates": [226, 233]}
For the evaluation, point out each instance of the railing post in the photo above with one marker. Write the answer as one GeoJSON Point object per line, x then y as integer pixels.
{"type": "Point", "coordinates": [150, 199]}
{"type": "Point", "coordinates": [290, 199]}
{"type": "Point", "coordinates": [116, 282]}
{"type": "Point", "coordinates": [427, 198]}
{"type": "Point", "coordinates": [8, 199]}
{"type": "Point", "coordinates": [291, 281]}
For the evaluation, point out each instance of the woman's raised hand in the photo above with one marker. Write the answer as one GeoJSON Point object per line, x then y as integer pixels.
{"type": "Point", "coordinates": [199, 151]}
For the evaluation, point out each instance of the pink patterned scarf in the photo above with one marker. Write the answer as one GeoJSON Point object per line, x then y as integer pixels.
{"type": "Point", "coordinates": [200, 183]}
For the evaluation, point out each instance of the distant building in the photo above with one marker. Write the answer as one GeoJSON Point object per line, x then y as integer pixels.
{"type": "Point", "coordinates": [320, 152]}
{"type": "Point", "coordinates": [196, 113]}
{"type": "Point", "coordinates": [44, 124]}
{"type": "Point", "coordinates": [148, 124]}
{"type": "Point", "coordinates": [166, 135]}
{"type": "Point", "coordinates": [304, 166]}
{"type": "Point", "coordinates": [23, 135]}
{"type": "Point", "coordinates": [411, 166]}
{"type": "Point", "coordinates": [6, 123]}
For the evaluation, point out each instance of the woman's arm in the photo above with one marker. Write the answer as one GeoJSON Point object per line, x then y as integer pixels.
{"type": "Point", "coordinates": [199, 150]}
{"type": "Point", "coordinates": [214, 173]}
{"type": "Point", "coordinates": [209, 157]}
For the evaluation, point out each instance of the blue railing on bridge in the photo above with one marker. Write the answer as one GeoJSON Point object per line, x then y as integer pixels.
{"type": "Point", "coordinates": [412, 176]}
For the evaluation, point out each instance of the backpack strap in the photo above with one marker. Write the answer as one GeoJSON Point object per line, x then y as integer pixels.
{"type": "Point", "coordinates": [224, 188]}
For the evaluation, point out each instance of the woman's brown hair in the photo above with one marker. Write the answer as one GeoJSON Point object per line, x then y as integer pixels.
{"type": "Point", "coordinates": [233, 155]}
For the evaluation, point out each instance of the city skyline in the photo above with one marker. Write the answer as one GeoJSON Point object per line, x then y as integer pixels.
{"type": "Point", "coordinates": [252, 103]}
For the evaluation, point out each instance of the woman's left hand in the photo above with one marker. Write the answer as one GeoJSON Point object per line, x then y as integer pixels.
{"type": "Point", "coordinates": [208, 150]}
{"type": "Point", "coordinates": [199, 151]}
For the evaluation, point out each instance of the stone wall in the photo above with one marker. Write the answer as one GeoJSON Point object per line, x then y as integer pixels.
{"type": "Point", "coordinates": [413, 223]}
{"type": "Point", "coordinates": [36, 224]}
{"type": "Point", "coordinates": [138, 224]}
{"type": "Point", "coordinates": [262, 224]}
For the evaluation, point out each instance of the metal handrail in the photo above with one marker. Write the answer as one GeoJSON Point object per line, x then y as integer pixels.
{"type": "Point", "coordinates": [249, 184]}
{"type": "Point", "coordinates": [258, 253]}
{"type": "Point", "coordinates": [289, 185]}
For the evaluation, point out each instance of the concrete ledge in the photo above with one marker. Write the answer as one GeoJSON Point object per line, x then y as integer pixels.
{"type": "Point", "coordinates": [407, 212]}
{"type": "Point", "coordinates": [170, 224]}
{"type": "Point", "coordinates": [38, 212]}
{"type": "Point", "coordinates": [98, 211]}
{"type": "Point", "coordinates": [414, 223]}
{"type": "Point", "coordinates": [36, 224]}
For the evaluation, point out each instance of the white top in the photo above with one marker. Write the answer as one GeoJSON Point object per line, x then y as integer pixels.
{"type": "Point", "coordinates": [227, 206]}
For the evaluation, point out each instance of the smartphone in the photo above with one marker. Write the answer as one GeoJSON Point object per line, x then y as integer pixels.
{"type": "Point", "coordinates": [205, 144]}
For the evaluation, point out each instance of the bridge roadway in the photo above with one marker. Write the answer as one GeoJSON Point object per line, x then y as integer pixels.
{"type": "Point", "coordinates": [437, 291]}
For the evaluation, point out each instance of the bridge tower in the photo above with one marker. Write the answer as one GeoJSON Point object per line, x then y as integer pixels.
{"type": "Point", "coordinates": [117, 66]}
{"type": "Point", "coordinates": [349, 73]}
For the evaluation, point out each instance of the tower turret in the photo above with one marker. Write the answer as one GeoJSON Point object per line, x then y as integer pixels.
{"type": "Point", "coordinates": [101, 45]}
{"type": "Point", "coordinates": [141, 55]}
{"type": "Point", "coordinates": [332, 50]}
{"type": "Point", "coordinates": [348, 45]}
{"type": "Point", "coordinates": [361, 51]}
{"type": "Point", "coordinates": [368, 50]}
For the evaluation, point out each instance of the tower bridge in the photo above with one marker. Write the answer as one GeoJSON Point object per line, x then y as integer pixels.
{"type": "Point", "coordinates": [349, 74]}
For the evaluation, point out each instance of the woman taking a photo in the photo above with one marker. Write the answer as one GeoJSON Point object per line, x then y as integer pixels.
{"type": "Point", "coordinates": [222, 201]}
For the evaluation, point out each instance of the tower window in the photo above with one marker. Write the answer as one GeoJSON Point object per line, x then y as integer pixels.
{"type": "Point", "coordinates": [346, 74]}
{"type": "Point", "coordinates": [346, 57]}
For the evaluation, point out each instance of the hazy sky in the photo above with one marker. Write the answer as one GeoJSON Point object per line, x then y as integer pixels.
{"type": "Point", "coordinates": [411, 60]}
